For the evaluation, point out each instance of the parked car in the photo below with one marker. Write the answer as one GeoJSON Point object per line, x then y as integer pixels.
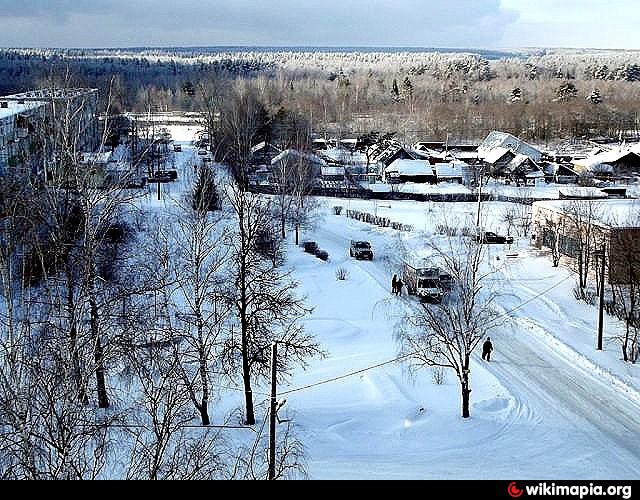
{"type": "Point", "coordinates": [361, 250]}
{"type": "Point", "coordinates": [177, 148]}
{"type": "Point", "coordinates": [489, 238]}
{"type": "Point", "coordinates": [322, 255]}
{"type": "Point", "coordinates": [203, 152]}
{"type": "Point", "coordinates": [311, 247]}
{"type": "Point", "coordinates": [446, 281]}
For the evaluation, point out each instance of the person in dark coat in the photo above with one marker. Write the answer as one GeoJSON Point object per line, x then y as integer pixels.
{"type": "Point", "coordinates": [399, 285]}
{"type": "Point", "coordinates": [487, 349]}
{"type": "Point", "coordinates": [394, 284]}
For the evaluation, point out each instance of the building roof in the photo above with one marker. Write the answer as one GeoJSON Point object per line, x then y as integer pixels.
{"type": "Point", "coordinates": [49, 94]}
{"type": "Point", "coordinates": [609, 213]}
{"type": "Point", "coordinates": [582, 192]}
{"type": "Point", "coordinates": [450, 170]}
{"type": "Point", "coordinates": [293, 152]}
{"type": "Point", "coordinates": [15, 108]}
{"type": "Point", "coordinates": [410, 168]}
{"type": "Point", "coordinates": [496, 154]}
{"type": "Point", "coordinates": [596, 162]}
{"type": "Point", "coordinates": [503, 140]}
{"type": "Point", "coordinates": [333, 171]}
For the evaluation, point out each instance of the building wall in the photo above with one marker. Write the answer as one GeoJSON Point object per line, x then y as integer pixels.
{"type": "Point", "coordinates": [622, 244]}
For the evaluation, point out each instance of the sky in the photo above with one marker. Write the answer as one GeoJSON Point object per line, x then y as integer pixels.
{"type": "Point", "coordinates": [491, 24]}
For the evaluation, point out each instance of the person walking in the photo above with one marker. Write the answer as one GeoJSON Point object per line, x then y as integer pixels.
{"type": "Point", "coordinates": [394, 284]}
{"type": "Point", "coordinates": [487, 349]}
{"type": "Point", "coordinates": [399, 285]}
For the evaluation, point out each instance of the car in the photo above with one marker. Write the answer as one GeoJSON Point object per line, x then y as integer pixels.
{"type": "Point", "coordinates": [203, 152]}
{"type": "Point", "coordinates": [177, 148]}
{"type": "Point", "coordinates": [361, 250]}
{"type": "Point", "coordinates": [489, 238]}
{"type": "Point", "coordinates": [311, 247]}
{"type": "Point", "coordinates": [322, 255]}
{"type": "Point", "coordinates": [446, 281]}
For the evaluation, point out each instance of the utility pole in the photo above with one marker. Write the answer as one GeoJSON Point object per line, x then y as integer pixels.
{"type": "Point", "coordinates": [479, 198]}
{"type": "Point", "coordinates": [273, 413]}
{"type": "Point", "coordinates": [602, 255]}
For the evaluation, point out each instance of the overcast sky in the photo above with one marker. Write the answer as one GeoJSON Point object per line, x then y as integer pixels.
{"type": "Point", "coordinates": [415, 23]}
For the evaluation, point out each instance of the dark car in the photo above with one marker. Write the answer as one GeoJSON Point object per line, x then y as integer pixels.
{"type": "Point", "coordinates": [311, 247]}
{"type": "Point", "coordinates": [488, 238]}
{"type": "Point", "coordinates": [361, 250]}
{"type": "Point", "coordinates": [177, 148]}
{"type": "Point", "coordinates": [322, 255]}
{"type": "Point", "coordinates": [446, 281]}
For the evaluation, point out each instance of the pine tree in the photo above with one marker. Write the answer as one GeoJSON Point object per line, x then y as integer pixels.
{"type": "Point", "coordinates": [595, 97]}
{"type": "Point", "coordinates": [205, 192]}
{"type": "Point", "coordinates": [395, 92]}
{"type": "Point", "coordinates": [407, 89]}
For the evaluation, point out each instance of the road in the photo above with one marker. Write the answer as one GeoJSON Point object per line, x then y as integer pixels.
{"type": "Point", "coordinates": [558, 420]}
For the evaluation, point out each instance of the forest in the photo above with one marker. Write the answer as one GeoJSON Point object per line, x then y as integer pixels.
{"type": "Point", "coordinates": [541, 96]}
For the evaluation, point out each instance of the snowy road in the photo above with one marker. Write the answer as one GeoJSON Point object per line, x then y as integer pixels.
{"type": "Point", "coordinates": [536, 412]}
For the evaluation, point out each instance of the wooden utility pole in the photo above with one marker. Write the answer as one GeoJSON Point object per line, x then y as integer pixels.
{"type": "Point", "coordinates": [602, 255]}
{"type": "Point", "coordinates": [273, 412]}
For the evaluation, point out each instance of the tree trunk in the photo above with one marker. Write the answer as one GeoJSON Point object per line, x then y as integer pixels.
{"type": "Point", "coordinates": [204, 413]}
{"type": "Point", "coordinates": [466, 391]}
{"type": "Point", "coordinates": [246, 368]}
{"type": "Point", "coordinates": [297, 234]}
{"type": "Point", "coordinates": [73, 339]}
{"type": "Point", "coordinates": [103, 399]}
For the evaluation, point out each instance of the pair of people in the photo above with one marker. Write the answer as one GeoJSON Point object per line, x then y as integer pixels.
{"type": "Point", "coordinates": [396, 285]}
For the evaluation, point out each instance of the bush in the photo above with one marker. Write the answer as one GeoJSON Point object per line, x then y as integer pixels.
{"type": "Point", "coordinates": [338, 210]}
{"type": "Point", "coordinates": [445, 230]}
{"type": "Point", "coordinates": [342, 274]}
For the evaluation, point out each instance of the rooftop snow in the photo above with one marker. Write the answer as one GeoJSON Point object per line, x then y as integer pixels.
{"type": "Point", "coordinates": [503, 140]}
{"type": "Point", "coordinates": [450, 170]}
{"type": "Point", "coordinates": [292, 152]}
{"type": "Point", "coordinates": [495, 154]}
{"type": "Point", "coordinates": [410, 167]}
{"type": "Point", "coordinates": [15, 108]}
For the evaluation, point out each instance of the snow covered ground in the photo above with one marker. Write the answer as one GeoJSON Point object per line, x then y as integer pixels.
{"type": "Point", "coordinates": [547, 406]}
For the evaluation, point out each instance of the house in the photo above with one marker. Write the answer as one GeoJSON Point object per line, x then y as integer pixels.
{"type": "Point", "coordinates": [609, 163]}
{"type": "Point", "coordinates": [523, 168]}
{"type": "Point", "coordinates": [502, 140]}
{"type": "Point", "coordinates": [612, 223]}
{"type": "Point", "coordinates": [417, 171]}
{"type": "Point", "coordinates": [455, 172]}
{"type": "Point", "coordinates": [498, 159]}
{"type": "Point", "coordinates": [292, 158]}
{"type": "Point", "coordinates": [559, 173]}
{"type": "Point", "coordinates": [263, 153]}
{"type": "Point", "coordinates": [385, 153]}
{"type": "Point", "coordinates": [329, 173]}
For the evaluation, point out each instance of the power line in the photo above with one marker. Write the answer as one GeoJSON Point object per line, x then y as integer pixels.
{"type": "Point", "coordinates": [411, 354]}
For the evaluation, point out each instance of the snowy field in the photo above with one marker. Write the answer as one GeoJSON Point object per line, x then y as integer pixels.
{"type": "Point", "coordinates": [547, 406]}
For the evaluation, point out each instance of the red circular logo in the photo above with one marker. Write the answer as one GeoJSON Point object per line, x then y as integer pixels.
{"type": "Point", "coordinates": [514, 491]}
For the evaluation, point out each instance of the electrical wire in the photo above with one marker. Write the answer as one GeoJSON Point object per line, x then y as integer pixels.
{"type": "Point", "coordinates": [411, 354]}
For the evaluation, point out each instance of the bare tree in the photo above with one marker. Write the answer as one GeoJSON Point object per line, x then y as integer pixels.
{"type": "Point", "coordinates": [198, 250]}
{"type": "Point", "coordinates": [583, 235]}
{"type": "Point", "coordinates": [264, 299]}
{"type": "Point", "coordinates": [447, 334]}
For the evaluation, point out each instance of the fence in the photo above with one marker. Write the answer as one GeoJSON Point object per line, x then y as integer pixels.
{"type": "Point", "coordinates": [378, 221]}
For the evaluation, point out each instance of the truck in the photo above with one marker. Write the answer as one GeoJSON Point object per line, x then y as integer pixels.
{"type": "Point", "coordinates": [424, 282]}
{"type": "Point", "coordinates": [361, 250]}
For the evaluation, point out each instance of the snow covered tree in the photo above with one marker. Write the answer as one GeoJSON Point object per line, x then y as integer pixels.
{"type": "Point", "coordinates": [595, 97]}
{"type": "Point", "coordinates": [516, 95]}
